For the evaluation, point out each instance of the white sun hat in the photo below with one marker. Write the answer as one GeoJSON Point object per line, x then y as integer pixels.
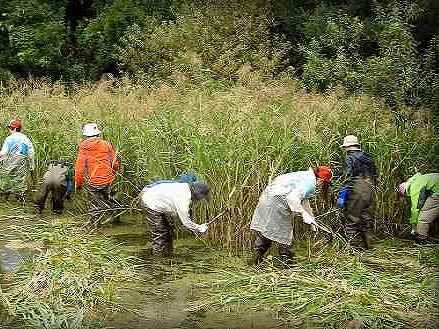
{"type": "Point", "coordinates": [352, 142]}
{"type": "Point", "coordinates": [402, 188]}
{"type": "Point", "coordinates": [90, 130]}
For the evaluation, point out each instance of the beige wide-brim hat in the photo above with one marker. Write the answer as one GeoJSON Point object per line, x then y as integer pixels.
{"type": "Point", "coordinates": [351, 142]}
{"type": "Point", "coordinates": [90, 130]}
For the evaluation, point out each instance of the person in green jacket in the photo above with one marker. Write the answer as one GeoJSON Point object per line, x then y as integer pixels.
{"type": "Point", "coordinates": [423, 191]}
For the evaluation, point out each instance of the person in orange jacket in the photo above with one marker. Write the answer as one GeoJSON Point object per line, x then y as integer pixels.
{"type": "Point", "coordinates": [95, 171]}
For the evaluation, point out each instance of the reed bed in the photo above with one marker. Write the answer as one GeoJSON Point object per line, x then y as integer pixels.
{"type": "Point", "coordinates": [237, 138]}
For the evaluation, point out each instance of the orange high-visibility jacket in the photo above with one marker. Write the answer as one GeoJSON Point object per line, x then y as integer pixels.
{"type": "Point", "coordinates": [96, 163]}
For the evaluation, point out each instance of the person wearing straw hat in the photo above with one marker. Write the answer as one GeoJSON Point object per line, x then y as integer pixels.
{"type": "Point", "coordinates": [166, 200]}
{"type": "Point", "coordinates": [283, 197]}
{"type": "Point", "coordinates": [423, 192]}
{"type": "Point", "coordinates": [17, 162]}
{"type": "Point", "coordinates": [95, 171]}
{"type": "Point", "coordinates": [360, 173]}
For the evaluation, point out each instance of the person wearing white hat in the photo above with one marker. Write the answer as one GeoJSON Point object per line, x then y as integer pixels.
{"type": "Point", "coordinates": [95, 170]}
{"type": "Point", "coordinates": [361, 175]}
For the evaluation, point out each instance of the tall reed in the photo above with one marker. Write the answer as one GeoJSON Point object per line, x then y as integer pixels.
{"type": "Point", "coordinates": [237, 138]}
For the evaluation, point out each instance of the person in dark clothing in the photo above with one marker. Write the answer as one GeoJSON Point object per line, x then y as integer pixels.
{"type": "Point", "coordinates": [57, 181]}
{"type": "Point", "coordinates": [361, 178]}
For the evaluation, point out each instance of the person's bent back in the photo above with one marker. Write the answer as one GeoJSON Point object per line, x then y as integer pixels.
{"type": "Point", "coordinates": [95, 170]}
{"type": "Point", "coordinates": [96, 164]}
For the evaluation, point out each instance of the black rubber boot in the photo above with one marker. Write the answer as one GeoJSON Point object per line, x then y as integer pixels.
{"type": "Point", "coordinates": [421, 239]}
{"type": "Point", "coordinates": [285, 256]}
{"type": "Point", "coordinates": [366, 241]}
{"type": "Point", "coordinates": [257, 258]}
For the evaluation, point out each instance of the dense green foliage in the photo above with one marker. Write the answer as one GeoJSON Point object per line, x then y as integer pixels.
{"type": "Point", "coordinates": [388, 48]}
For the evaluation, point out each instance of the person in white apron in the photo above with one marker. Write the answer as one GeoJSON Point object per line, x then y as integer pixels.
{"type": "Point", "coordinates": [17, 162]}
{"type": "Point", "coordinates": [285, 195]}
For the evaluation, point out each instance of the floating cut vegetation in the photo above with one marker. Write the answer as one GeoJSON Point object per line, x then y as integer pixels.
{"type": "Point", "coordinates": [392, 286]}
{"type": "Point", "coordinates": [75, 276]}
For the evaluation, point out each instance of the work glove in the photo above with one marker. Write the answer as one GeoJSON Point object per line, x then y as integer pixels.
{"type": "Point", "coordinates": [203, 228]}
{"type": "Point", "coordinates": [310, 220]}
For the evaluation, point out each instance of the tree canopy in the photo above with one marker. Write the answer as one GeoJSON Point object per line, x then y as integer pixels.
{"type": "Point", "coordinates": [388, 48]}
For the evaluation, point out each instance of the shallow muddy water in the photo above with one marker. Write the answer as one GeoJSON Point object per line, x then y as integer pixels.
{"type": "Point", "coordinates": [168, 292]}
{"type": "Point", "coordinates": [171, 292]}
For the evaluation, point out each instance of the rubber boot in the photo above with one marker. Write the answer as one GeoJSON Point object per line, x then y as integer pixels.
{"type": "Point", "coordinates": [258, 258]}
{"type": "Point", "coordinates": [366, 241]}
{"type": "Point", "coordinates": [285, 256]}
{"type": "Point", "coordinates": [421, 239]}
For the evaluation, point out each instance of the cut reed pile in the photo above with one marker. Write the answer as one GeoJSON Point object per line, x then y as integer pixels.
{"type": "Point", "coordinates": [236, 137]}
{"type": "Point", "coordinates": [76, 276]}
{"type": "Point", "coordinates": [393, 286]}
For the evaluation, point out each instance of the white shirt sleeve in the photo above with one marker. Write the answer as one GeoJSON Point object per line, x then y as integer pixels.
{"type": "Point", "coordinates": [297, 203]}
{"type": "Point", "coordinates": [31, 154]}
{"type": "Point", "coordinates": [182, 209]}
{"type": "Point", "coordinates": [4, 149]}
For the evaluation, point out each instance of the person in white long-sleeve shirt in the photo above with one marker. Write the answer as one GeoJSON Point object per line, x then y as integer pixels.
{"type": "Point", "coordinates": [17, 161]}
{"type": "Point", "coordinates": [285, 195]}
{"type": "Point", "coordinates": [167, 200]}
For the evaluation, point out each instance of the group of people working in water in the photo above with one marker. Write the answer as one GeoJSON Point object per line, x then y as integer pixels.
{"type": "Point", "coordinates": [288, 194]}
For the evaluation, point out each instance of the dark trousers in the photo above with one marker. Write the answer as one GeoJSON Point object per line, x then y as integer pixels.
{"type": "Point", "coordinates": [358, 212]}
{"type": "Point", "coordinates": [58, 193]}
{"type": "Point", "coordinates": [262, 244]}
{"type": "Point", "coordinates": [101, 203]}
{"type": "Point", "coordinates": [161, 232]}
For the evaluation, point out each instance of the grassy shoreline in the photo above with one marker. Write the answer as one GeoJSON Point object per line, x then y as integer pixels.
{"type": "Point", "coordinates": [108, 279]}
{"type": "Point", "coordinates": [237, 138]}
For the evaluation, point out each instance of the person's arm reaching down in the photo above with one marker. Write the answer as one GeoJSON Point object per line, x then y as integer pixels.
{"type": "Point", "coordinates": [79, 170]}
{"type": "Point", "coordinates": [182, 207]}
{"type": "Point", "coordinates": [298, 204]}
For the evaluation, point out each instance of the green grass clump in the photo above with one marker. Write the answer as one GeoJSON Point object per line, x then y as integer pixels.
{"type": "Point", "coordinates": [392, 286]}
{"type": "Point", "coordinates": [74, 276]}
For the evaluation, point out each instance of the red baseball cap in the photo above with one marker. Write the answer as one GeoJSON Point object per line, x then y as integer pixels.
{"type": "Point", "coordinates": [15, 124]}
{"type": "Point", "coordinates": [324, 173]}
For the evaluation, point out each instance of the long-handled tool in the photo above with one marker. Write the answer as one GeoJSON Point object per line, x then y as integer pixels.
{"type": "Point", "coordinates": [216, 217]}
{"type": "Point", "coordinates": [324, 229]}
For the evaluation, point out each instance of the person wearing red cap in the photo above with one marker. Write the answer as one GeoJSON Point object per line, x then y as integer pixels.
{"type": "Point", "coordinates": [16, 162]}
{"type": "Point", "coordinates": [283, 197]}
{"type": "Point", "coordinates": [360, 173]}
